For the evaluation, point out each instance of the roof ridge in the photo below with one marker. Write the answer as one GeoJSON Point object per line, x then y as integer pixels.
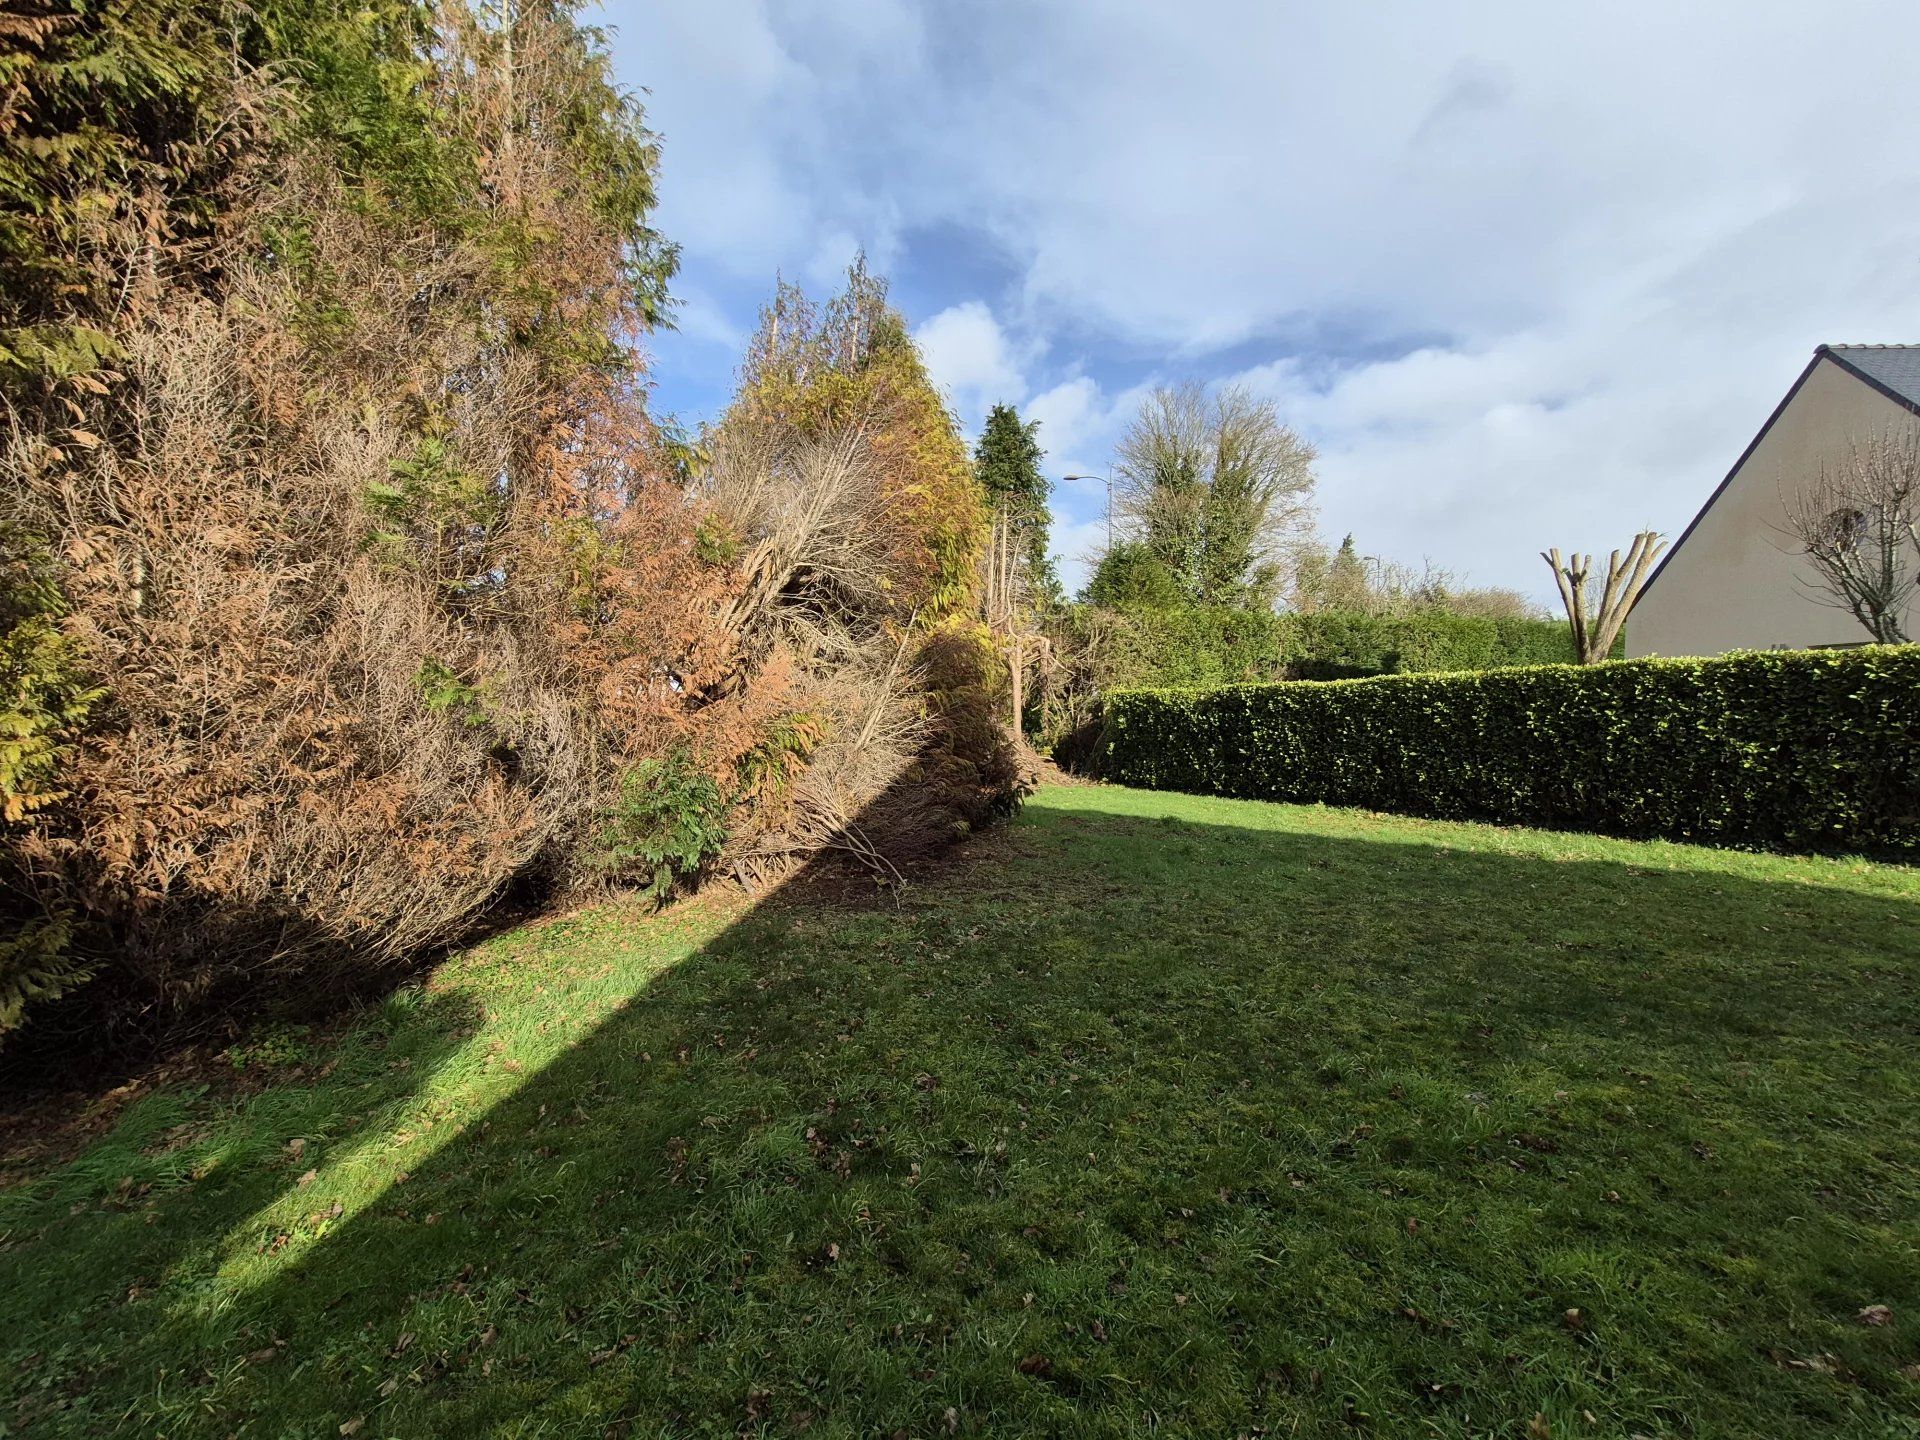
{"type": "Point", "coordinates": [1893, 370]}
{"type": "Point", "coordinates": [1874, 345]}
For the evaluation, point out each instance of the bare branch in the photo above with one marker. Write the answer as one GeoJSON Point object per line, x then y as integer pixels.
{"type": "Point", "coordinates": [1856, 523]}
{"type": "Point", "coordinates": [1218, 488]}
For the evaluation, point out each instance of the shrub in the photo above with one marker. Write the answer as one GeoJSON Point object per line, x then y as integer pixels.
{"type": "Point", "coordinates": [968, 770]}
{"type": "Point", "coordinates": [1202, 645]}
{"type": "Point", "coordinates": [44, 702]}
{"type": "Point", "coordinates": [1130, 577]}
{"type": "Point", "coordinates": [669, 820]}
{"type": "Point", "coordinates": [1800, 750]}
{"type": "Point", "coordinates": [37, 962]}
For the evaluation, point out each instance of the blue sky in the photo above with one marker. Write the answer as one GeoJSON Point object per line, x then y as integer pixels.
{"type": "Point", "coordinates": [1527, 274]}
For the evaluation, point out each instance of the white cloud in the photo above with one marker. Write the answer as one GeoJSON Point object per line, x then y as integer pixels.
{"type": "Point", "coordinates": [1069, 414]}
{"type": "Point", "coordinates": [971, 360]}
{"type": "Point", "coordinates": [726, 194]}
{"type": "Point", "coordinates": [1079, 423]}
{"type": "Point", "coordinates": [1529, 274]}
{"type": "Point", "coordinates": [1613, 416]}
{"type": "Point", "coordinates": [698, 317]}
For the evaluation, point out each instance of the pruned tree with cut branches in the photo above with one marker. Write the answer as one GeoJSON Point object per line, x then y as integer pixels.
{"type": "Point", "coordinates": [1596, 615]}
{"type": "Point", "coordinates": [1858, 520]}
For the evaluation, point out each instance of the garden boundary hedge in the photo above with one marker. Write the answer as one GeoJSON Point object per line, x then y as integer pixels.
{"type": "Point", "coordinates": [1341, 645]}
{"type": "Point", "coordinates": [1802, 750]}
{"type": "Point", "coordinates": [1215, 645]}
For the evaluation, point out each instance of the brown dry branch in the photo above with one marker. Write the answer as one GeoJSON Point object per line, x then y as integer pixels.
{"type": "Point", "coordinates": [806, 514]}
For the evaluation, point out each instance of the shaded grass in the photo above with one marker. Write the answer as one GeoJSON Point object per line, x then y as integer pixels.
{"type": "Point", "coordinates": [1160, 1115]}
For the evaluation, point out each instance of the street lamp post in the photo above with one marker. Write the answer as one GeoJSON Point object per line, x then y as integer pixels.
{"type": "Point", "coordinates": [1108, 482]}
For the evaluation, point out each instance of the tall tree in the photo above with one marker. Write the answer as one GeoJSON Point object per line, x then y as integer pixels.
{"type": "Point", "coordinates": [1216, 486]}
{"type": "Point", "coordinates": [1007, 460]}
{"type": "Point", "coordinates": [1347, 587]}
{"type": "Point", "coordinates": [321, 427]}
{"type": "Point", "coordinates": [851, 365]}
{"type": "Point", "coordinates": [1020, 585]}
{"type": "Point", "coordinates": [871, 551]}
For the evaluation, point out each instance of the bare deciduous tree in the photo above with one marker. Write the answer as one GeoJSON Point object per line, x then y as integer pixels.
{"type": "Point", "coordinates": [1009, 602]}
{"type": "Point", "coordinates": [1596, 616]}
{"type": "Point", "coordinates": [1859, 523]}
{"type": "Point", "coordinates": [1217, 487]}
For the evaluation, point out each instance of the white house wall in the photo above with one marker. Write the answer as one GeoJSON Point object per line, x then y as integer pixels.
{"type": "Point", "coordinates": [1738, 582]}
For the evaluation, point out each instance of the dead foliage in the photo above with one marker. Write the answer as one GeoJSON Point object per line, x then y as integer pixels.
{"type": "Point", "coordinates": [391, 586]}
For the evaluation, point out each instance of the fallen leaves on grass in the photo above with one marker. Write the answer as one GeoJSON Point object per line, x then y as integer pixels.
{"type": "Point", "coordinates": [1819, 1364]}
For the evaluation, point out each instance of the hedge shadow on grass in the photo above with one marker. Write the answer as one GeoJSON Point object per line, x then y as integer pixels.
{"type": "Point", "coordinates": [1228, 1126]}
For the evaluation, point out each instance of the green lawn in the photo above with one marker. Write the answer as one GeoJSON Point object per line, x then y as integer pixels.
{"type": "Point", "coordinates": [1151, 1114]}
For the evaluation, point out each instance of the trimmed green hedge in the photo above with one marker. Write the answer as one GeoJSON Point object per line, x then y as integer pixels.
{"type": "Point", "coordinates": [1794, 749]}
{"type": "Point", "coordinates": [1214, 645]}
{"type": "Point", "coordinates": [1336, 645]}
{"type": "Point", "coordinates": [1197, 645]}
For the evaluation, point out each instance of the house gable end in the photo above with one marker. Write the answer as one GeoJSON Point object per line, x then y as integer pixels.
{"type": "Point", "coordinates": [1752, 445]}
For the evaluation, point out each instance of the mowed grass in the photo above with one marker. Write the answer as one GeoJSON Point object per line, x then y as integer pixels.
{"type": "Point", "coordinates": [1151, 1115]}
